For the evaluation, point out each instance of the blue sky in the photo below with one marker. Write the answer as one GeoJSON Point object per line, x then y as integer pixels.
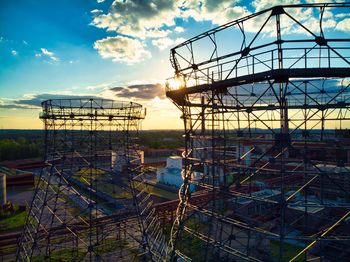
{"type": "Point", "coordinates": [113, 49]}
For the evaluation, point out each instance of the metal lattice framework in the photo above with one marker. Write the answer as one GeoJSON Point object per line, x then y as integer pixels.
{"type": "Point", "coordinates": [265, 121]}
{"type": "Point", "coordinates": [88, 203]}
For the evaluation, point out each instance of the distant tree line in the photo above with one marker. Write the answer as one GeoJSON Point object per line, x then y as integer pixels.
{"type": "Point", "coordinates": [21, 144]}
{"type": "Point", "coordinates": [161, 139]}
{"type": "Point", "coordinates": [20, 148]}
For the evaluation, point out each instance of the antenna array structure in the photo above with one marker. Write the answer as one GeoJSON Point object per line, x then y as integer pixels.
{"type": "Point", "coordinates": [265, 106]}
{"type": "Point", "coordinates": [89, 202]}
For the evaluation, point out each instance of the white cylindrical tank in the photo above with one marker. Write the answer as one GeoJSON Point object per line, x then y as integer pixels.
{"type": "Point", "coordinates": [119, 160]}
{"type": "Point", "coordinates": [174, 162]}
{"type": "Point", "coordinates": [3, 195]}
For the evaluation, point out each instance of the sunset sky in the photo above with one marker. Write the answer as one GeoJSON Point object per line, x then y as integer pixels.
{"type": "Point", "coordinates": [112, 49]}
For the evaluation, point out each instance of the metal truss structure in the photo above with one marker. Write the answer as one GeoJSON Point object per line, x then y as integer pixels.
{"type": "Point", "coordinates": [88, 203]}
{"type": "Point", "coordinates": [265, 121]}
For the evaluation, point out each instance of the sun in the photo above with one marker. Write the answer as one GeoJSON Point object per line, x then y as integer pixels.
{"type": "Point", "coordinates": [175, 83]}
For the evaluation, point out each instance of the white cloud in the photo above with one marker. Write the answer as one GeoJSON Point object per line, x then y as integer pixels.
{"type": "Point", "coordinates": [96, 12]}
{"type": "Point", "coordinates": [260, 5]}
{"type": "Point", "coordinates": [139, 18]}
{"type": "Point", "coordinates": [147, 18]}
{"type": "Point", "coordinates": [342, 15]}
{"type": "Point", "coordinates": [155, 20]}
{"type": "Point", "coordinates": [179, 29]}
{"type": "Point", "coordinates": [163, 43]}
{"type": "Point", "coordinates": [45, 52]}
{"type": "Point", "coordinates": [14, 52]}
{"type": "Point", "coordinates": [122, 49]}
{"type": "Point", "coordinates": [218, 12]}
{"type": "Point", "coordinates": [344, 25]}
{"type": "Point", "coordinates": [100, 1]}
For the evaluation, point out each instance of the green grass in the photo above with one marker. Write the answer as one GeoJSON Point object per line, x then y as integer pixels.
{"type": "Point", "coordinates": [289, 251]}
{"type": "Point", "coordinates": [69, 254]}
{"type": "Point", "coordinates": [73, 207]}
{"type": "Point", "coordinates": [161, 193]}
{"type": "Point", "coordinates": [108, 188]}
{"type": "Point", "coordinates": [113, 190]}
{"type": "Point", "coordinates": [13, 222]}
{"type": "Point", "coordinates": [192, 246]}
{"type": "Point", "coordinates": [110, 245]}
{"type": "Point", "coordinates": [8, 249]}
{"type": "Point", "coordinates": [66, 254]}
{"type": "Point", "coordinates": [91, 171]}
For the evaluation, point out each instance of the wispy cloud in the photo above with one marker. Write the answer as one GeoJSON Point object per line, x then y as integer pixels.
{"type": "Point", "coordinates": [96, 12]}
{"type": "Point", "coordinates": [47, 53]}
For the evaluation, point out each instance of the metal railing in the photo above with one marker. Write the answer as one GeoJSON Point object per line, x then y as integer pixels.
{"type": "Point", "coordinates": [263, 62]}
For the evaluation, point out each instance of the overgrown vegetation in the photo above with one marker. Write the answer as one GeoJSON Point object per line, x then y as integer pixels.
{"type": "Point", "coordinates": [69, 254]}
{"type": "Point", "coordinates": [192, 246]}
{"type": "Point", "coordinates": [62, 255]}
{"type": "Point", "coordinates": [14, 220]}
{"type": "Point", "coordinates": [289, 251]}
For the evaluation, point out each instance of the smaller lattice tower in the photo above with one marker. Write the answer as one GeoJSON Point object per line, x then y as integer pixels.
{"type": "Point", "coordinates": [89, 201]}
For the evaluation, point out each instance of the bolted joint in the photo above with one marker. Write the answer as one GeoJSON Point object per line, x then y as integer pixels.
{"type": "Point", "coordinates": [277, 10]}
{"type": "Point", "coordinates": [320, 40]}
{"type": "Point", "coordinates": [245, 51]}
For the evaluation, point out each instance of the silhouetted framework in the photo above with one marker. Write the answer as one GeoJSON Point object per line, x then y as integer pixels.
{"type": "Point", "coordinates": [265, 121]}
{"type": "Point", "coordinates": [80, 209]}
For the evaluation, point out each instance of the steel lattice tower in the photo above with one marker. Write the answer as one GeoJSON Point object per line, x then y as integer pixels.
{"type": "Point", "coordinates": [74, 214]}
{"type": "Point", "coordinates": [265, 122]}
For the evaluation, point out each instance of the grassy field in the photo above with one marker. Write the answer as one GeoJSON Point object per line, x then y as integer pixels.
{"type": "Point", "coordinates": [161, 193]}
{"type": "Point", "coordinates": [289, 251]}
{"type": "Point", "coordinates": [13, 222]}
{"type": "Point", "coordinates": [105, 185]}
{"type": "Point", "coordinates": [94, 171]}
{"type": "Point", "coordinates": [61, 255]}
{"type": "Point", "coordinates": [69, 254]}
